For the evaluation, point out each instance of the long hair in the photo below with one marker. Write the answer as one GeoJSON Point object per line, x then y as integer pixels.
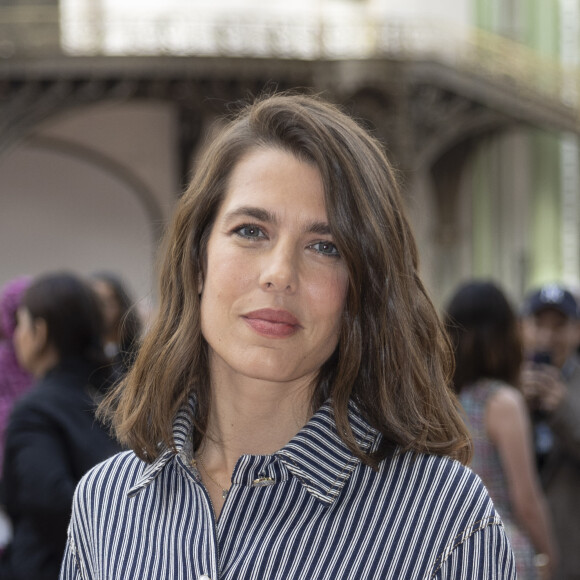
{"type": "Point", "coordinates": [393, 358]}
{"type": "Point", "coordinates": [72, 314]}
{"type": "Point", "coordinates": [485, 335]}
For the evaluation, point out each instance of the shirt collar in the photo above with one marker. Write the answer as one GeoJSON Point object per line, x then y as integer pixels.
{"type": "Point", "coordinates": [316, 455]}
{"type": "Point", "coordinates": [182, 427]}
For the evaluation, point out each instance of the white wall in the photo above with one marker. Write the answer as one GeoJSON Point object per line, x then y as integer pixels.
{"type": "Point", "coordinates": [72, 196]}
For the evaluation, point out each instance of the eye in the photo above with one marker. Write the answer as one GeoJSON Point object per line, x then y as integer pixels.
{"type": "Point", "coordinates": [326, 249]}
{"type": "Point", "coordinates": [249, 231]}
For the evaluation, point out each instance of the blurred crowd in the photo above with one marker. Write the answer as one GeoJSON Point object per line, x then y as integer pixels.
{"type": "Point", "coordinates": [64, 341]}
{"type": "Point", "coordinates": [517, 376]}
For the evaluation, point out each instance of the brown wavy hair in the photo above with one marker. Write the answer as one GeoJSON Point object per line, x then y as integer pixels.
{"type": "Point", "coordinates": [393, 358]}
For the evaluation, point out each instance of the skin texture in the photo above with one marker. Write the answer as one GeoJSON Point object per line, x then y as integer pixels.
{"type": "Point", "coordinates": [508, 426]}
{"type": "Point", "coordinates": [272, 302]}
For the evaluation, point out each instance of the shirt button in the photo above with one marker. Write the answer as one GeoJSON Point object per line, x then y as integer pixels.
{"type": "Point", "coordinates": [263, 481]}
{"type": "Point", "coordinates": [204, 577]}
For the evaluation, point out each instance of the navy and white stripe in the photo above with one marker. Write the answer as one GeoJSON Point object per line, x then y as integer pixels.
{"type": "Point", "coordinates": [325, 516]}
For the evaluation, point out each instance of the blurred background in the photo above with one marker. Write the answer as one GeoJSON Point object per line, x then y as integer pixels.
{"type": "Point", "coordinates": [104, 103]}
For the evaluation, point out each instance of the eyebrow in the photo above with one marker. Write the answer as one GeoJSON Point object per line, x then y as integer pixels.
{"type": "Point", "coordinates": [261, 214]}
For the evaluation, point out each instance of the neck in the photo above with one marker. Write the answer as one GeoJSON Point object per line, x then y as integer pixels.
{"type": "Point", "coordinates": [113, 336]}
{"type": "Point", "coordinates": [253, 417]}
{"type": "Point", "coordinates": [45, 362]}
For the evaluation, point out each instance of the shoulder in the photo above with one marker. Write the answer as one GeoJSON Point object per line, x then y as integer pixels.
{"type": "Point", "coordinates": [101, 498]}
{"type": "Point", "coordinates": [29, 405]}
{"type": "Point", "coordinates": [506, 398]}
{"type": "Point", "coordinates": [449, 503]}
{"type": "Point", "coordinates": [45, 403]}
{"type": "Point", "coordinates": [441, 488]}
{"type": "Point", "coordinates": [109, 480]}
{"type": "Point", "coordinates": [506, 412]}
{"type": "Point", "coordinates": [430, 475]}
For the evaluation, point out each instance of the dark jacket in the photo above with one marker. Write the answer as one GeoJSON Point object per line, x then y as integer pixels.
{"type": "Point", "coordinates": [561, 474]}
{"type": "Point", "coordinates": [51, 441]}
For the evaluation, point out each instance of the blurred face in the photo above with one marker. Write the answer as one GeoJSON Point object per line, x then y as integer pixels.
{"type": "Point", "coordinates": [110, 307]}
{"type": "Point", "coordinates": [550, 331]}
{"type": "Point", "coordinates": [275, 286]}
{"type": "Point", "coordinates": [29, 341]}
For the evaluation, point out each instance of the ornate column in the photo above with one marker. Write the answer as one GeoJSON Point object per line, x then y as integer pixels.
{"type": "Point", "coordinates": [569, 150]}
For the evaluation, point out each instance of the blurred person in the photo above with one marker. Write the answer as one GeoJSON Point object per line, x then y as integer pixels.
{"type": "Point", "coordinates": [289, 411]}
{"type": "Point", "coordinates": [122, 323]}
{"type": "Point", "coordinates": [551, 384]}
{"type": "Point", "coordinates": [14, 380]}
{"type": "Point", "coordinates": [52, 437]}
{"type": "Point", "coordinates": [484, 331]}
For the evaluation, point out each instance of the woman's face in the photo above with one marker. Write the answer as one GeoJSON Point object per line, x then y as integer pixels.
{"type": "Point", "coordinates": [275, 285]}
{"type": "Point", "coordinates": [111, 308]}
{"type": "Point", "coordinates": [28, 340]}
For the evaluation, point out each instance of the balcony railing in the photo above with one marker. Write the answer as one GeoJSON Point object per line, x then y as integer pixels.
{"type": "Point", "coordinates": [42, 31]}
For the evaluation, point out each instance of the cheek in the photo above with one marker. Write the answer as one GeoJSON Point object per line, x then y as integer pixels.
{"type": "Point", "coordinates": [22, 347]}
{"type": "Point", "coordinates": [528, 334]}
{"type": "Point", "coordinates": [226, 277]}
{"type": "Point", "coordinates": [329, 297]}
{"type": "Point", "coordinates": [19, 336]}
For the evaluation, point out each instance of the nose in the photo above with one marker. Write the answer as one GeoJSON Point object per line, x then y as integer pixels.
{"type": "Point", "coordinates": [279, 270]}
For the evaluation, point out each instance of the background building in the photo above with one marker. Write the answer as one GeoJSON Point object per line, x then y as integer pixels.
{"type": "Point", "coordinates": [103, 104]}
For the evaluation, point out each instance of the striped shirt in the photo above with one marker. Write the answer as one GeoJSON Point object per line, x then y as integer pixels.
{"type": "Point", "coordinates": [311, 511]}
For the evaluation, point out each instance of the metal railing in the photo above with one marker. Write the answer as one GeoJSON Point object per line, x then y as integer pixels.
{"type": "Point", "coordinates": [41, 31]}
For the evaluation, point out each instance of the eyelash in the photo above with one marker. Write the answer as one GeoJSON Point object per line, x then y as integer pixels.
{"type": "Point", "coordinates": [238, 231]}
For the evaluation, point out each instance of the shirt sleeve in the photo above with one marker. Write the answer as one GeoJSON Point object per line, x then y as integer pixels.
{"type": "Point", "coordinates": [483, 553]}
{"type": "Point", "coordinates": [74, 565]}
{"type": "Point", "coordinates": [70, 568]}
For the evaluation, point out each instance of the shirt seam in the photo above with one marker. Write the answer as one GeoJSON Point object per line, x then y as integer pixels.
{"type": "Point", "coordinates": [481, 525]}
{"type": "Point", "coordinates": [78, 563]}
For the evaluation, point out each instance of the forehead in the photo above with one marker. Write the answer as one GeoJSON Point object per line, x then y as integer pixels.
{"type": "Point", "coordinates": [274, 177]}
{"type": "Point", "coordinates": [550, 317]}
{"type": "Point", "coordinates": [102, 287]}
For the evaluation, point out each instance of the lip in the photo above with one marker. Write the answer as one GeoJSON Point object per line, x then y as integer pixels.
{"type": "Point", "coordinates": [272, 323]}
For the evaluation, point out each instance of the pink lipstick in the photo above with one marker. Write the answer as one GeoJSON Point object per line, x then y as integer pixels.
{"type": "Point", "coordinates": [272, 323]}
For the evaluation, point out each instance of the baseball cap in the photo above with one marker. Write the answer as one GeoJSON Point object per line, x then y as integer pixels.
{"type": "Point", "coordinates": [552, 296]}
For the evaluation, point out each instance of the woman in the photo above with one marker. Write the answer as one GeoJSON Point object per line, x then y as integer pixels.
{"type": "Point", "coordinates": [122, 325]}
{"type": "Point", "coordinates": [52, 437]}
{"type": "Point", "coordinates": [14, 380]}
{"type": "Point", "coordinates": [485, 335]}
{"type": "Point", "coordinates": [289, 410]}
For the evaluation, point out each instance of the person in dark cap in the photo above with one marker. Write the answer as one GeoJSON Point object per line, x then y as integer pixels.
{"type": "Point", "coordinates": [551, 384]}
